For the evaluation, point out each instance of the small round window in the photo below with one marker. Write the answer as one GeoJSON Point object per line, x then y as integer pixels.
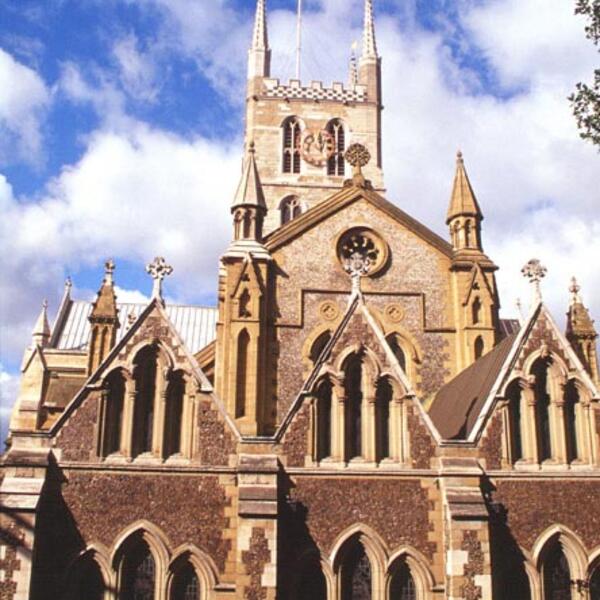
{"type": "Point", "coordinates": [361, 251]}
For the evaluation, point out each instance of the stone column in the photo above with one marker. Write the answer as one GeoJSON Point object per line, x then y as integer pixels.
{"type": "Point", "coordinates": [338, 424]}
{"type": "Point", "coordinates": [128, 416]}
{"type": "Point", "coordinates": [369, 429]}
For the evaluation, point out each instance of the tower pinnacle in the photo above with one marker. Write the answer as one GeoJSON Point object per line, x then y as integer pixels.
{"type": "Point", "coordinates": [260, 38]}
{"type": "Point", "coordinates": [41, 331]}
{"type": "Point", "coordinates": [369, 40]}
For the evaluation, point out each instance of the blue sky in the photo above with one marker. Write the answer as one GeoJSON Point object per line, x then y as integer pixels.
{"type": "Point", "coordinates": [121, 125]}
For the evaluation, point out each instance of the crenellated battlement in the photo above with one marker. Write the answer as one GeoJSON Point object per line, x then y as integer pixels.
{"type": "Point", "coordinates": [294, 90]}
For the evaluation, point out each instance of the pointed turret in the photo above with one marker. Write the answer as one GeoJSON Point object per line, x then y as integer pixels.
{"type": "Point", "coordinates": [104, 321]}
{"type": "Point", "coordinates": [582, 333]}
{"type": "Point", "coordinates": [41, 331]}
{"type": "Point", "coordinates": [464, 214]}
{"type": "Point", "coordinates": [259, 57]}
{"type": "Point", "coordinates": [249, 207]}
{"type": "Point", "coordinates": [369, 39]}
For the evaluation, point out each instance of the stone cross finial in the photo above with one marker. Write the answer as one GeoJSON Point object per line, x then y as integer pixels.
{"type": "Point", "coordinates": [575, 288]}
{"type": "Point", "coordinates": [158, 270]}
{"type": "Point", "coordinates": [358, 156]}
{"type": "Point", "coordinates": [535, 272]}
{"type": "Point", "coordinates": [109, 269]}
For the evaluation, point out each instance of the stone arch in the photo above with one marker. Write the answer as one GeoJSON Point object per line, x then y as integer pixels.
{"type": "Point", "coordinates": [593, 574]}
{"type": "Point", "coordinates": [290, 207]}
{"type": "Point", "coordinates": [312, 341]}
{"type": "Point", "coordinates": [375, 550]}
{"type": "Point", "coordinates": [308, 560]}
{"type": "Point", "coordinates": [96, 555]}
{"type": "Point", "coordinates": [409, 345]}
{"type": "Point", "coordinates": [204, 567]}
{"type": "Point", "coordinates": [148, 532]}
{"type": "Point", "coordinates": [419, 570]}
{"type": "Point", "coordinates": [573, 549]}
{"type": "Point", "coordinates": [164, 351]}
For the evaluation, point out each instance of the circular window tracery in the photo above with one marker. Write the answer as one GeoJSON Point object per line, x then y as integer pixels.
{"type": "Point", "coordinates": [361, 252]}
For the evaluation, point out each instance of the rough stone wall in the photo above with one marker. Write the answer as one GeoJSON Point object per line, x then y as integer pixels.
{"type": "Point", "coordinates": [398, 510]}
{"type": "Point", "coordinates": [295, 441]}
{"type": "Point", "coordinates": [99, 506]}
{"type": "Point", "coordinates": [215, 442]}
{"type": "Point", "coordinates": [473, 567]}
{"type": "Point", "coordinates": [422, 443]}
{"type": "Point", "coordinates": [77, 437]}
{"type": "Point", "coordinates": [308, 266]}
{"type": "Point", "coordinates": [491, 443]}
{"type": "Point", "coordinates": [11, 539]}
{"type": "Point", "coordinates": [534, 506]}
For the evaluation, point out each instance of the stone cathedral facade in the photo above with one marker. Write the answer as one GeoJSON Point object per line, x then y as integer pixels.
{"type": "Point", "coordinates": [352, 421]}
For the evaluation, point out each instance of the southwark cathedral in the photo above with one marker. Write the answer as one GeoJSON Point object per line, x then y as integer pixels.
{"type": "Point", "coordinates": [353, 420]}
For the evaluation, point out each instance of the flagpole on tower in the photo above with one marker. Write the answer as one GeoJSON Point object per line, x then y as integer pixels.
{"type": "Point", "coordinates": [299, 40]}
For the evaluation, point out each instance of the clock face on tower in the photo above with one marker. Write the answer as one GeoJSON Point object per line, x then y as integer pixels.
{"type": "Point", "coordinates": [316, 146]}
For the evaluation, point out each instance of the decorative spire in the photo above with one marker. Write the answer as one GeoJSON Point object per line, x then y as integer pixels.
{"type": "Point", "coordinates": [41, 330]}
{"type": "Point", "coordinates": [109, 269]}
{"type": "Point", "coordinates": [463, 201]}
{"type": "Point", "coordinates": [68, 286]}
{"type": "Point", "coordinates": [158, 270]}
{"type": "Point", "coordinates": [575, 288]}
{"type": "Point", "coordinates": [369, 41]}
{"type": "Point", "coordinates": [260, 38]}
{"type": "Point", "coordinates": [250, 192]}
{"type": "Point", "coordinates": [105, 306]}
{"type": "Point", "coordinates": [535, 272]}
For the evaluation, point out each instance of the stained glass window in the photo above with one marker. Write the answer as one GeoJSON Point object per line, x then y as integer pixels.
{"type": "Point", "coordinates": [356, 575]}
{"type": "Point", "coordinates": [402, 586]}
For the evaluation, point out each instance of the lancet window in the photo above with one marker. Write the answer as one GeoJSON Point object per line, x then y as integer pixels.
{"type": "Point", "coordinates": [479, 347]}
{"type": "Point", "coordinates": [556, 575]}
{"type": "Point", "coordinates": [87, 583]}
{"type": "Point", "coordinates": [186, 585]}
{"type": "Point", "coordinates": [595, 585]}
{"type": "Point", "coordinates": [290, 208]}
{"type": "Point", "coordinates": [113, 420]}
{"type": "Point", "coordinates": [402, 585]}
{"type": "Point", "coordinates": [540, 370]}
{"type": "Point", "coordinates": [291, 145]}
{"type": "Point", "coordinates": [383, 400]}
{"type": "Point", "coordinates": [174, 414]}
{"type": "Point", "coordinates": [146, 364]}
{"type": "Point", "coordinates": [353, 413]}
{"type": "Point", "coordinates": [336, 164]}
{"type": "Point", "coordinates": [571, 410]}
{"type": "Point", "coordinates": [323, 420]}
{"type": "Point", "coordinates": [356, 576]}
{"type": "Point", "coordinates": [394, 344]}
{"type": "Point", "coordinates": [476, 311]}
{"type": "Point", "coordinates": [139, 574]}
{"type": "Point", "coordinates": [242, 374]}
{"type": "Point", "coordinates": [515, 422]}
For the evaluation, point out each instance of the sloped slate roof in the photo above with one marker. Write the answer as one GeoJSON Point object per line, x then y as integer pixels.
{"type": "Point", "coordinates": [457, 405]}
{"type": "Point", "coordinates": [195, 324]}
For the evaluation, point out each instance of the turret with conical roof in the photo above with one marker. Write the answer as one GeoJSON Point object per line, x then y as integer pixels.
{"type": "Point", "coordinates": [464, 215]}
{"type": "Point", "coordinates": [41, 331]}
{"type": "Point", "coordinates": [582, 333]}
{"type": "Point", "coordinates": [104, 321]}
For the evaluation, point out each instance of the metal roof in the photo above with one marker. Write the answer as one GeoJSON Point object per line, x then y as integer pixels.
{"type": "Point", "coordinates": [195, 324]}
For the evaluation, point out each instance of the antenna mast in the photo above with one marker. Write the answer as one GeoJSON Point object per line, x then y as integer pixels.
{"type": "Point", "coordinates": [299, 40]}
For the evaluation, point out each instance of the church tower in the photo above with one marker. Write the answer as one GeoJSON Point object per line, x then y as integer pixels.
{"type": "Point", "coordinates": [302, 129]}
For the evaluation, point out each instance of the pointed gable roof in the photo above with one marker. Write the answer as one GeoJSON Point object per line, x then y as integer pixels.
{"type": "Point", "coordinates": [463, 200]}
{"type": "Point", "coordinates": [249, 191]}
{"type": "Point", "coordinates": [340, 200]}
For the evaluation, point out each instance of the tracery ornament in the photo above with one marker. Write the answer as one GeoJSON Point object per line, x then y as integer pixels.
{"type": "Point", "coordinates": [361, 252]}
{"type": "Point", "coordinates": [394, 313]}
{"type": "Point", "coordinates": [329, 310]}
{"type": "Point", "coordinates": [357, 155]}
{"type": "Point", "coordinates": [535, 272]}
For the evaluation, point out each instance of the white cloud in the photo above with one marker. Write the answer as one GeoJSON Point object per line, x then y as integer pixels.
{"type": "Point", "coordinates": [131, 296]}
{"type": "Point", "coordinates": [136, 69]}
{"type": "Point", "coordinates": [23, 100]}
{"type": "Point", "coordinates": [9, 387]}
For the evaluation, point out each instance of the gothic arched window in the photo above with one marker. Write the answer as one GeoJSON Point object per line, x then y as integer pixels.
{"type": "Point", "coordinates": [312, 585]}
{"type": "Point", "coordinates": [540, 370]}
{"type": "Point", "coordinates": [353, 413]}
{"type": "Point", "coordinates": [515, 422]}
{"type": "Point", "coordinates": [145, 376]}
{"type": "Point", "coordinates": [139, 574]}
{"type": "Point", "coordinates": [383, 400]}
{"type": "Point", "coordinates": [336, 165]}
{"type": "Point", "coordinates": [402, 586]}
{"type": "Point", "coordinates": [242, 374]}
{"type": "Point", "coordinates": [556, 575]}
{"type": "Point", "coordinates": [356, 574]}
{"type": "Point", "coordinates": [571, 410]}
{"type": "Point", "coordinates": [174, 414]}
{"type": "Point", "coordinates": [319, 345]}
{"type": "Point", "coordinates": [323, 437]}
{"type": "Point", "coordinates": [115, 395]}
{"type": "Point", "coordinates": [396, 348]}
{"type": "Point", "coordinates": [479, 347]}
{"type": "Point", "coordinates": [290, 208]}
{"type": "Point", "coordinates": [291, 145]}
{"type": "Point", "coordinates": [186, 585]}
{"type": "Point", "coordinates": [595, 585]}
